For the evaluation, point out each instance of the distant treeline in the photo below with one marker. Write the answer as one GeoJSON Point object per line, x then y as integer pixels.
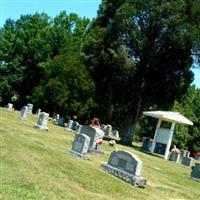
{"type": "Point", "coordinates": [134, 56]}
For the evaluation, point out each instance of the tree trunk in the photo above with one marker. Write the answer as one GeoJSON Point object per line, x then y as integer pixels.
{"type": "Point", "coordinates": [127, 138]}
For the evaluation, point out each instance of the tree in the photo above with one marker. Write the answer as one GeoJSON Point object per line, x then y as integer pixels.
{"type": "Point", "coordinates": [27, 45]}
{"type": "Point", "coordinates": [189, 137]}
{"type": "Point", "coordinates": [24, 44]}
{"type": "Point", "coordinates": [67, 88]}
{"type": "Point", "coordinates": [141, 51]}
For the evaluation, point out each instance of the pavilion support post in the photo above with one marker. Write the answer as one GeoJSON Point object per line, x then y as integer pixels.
{"type": "Point", "coordinates": [155, 135]}
{"type": "Point", "coordinates": [170, 140]}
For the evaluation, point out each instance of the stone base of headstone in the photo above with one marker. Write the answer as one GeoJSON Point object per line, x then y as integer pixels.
{"type": "Point", "coordinates": [77, 154]}
{"type": "Point", "coordinates": [41, 127]}
{"type": "Point", "coordinates": [196, 179]}
{"type": "Point", "coordinates": [133, 180]}
{"type": "Point", "coordinates": [97, 151]}
{"type": "Point", "coordinates": [69, 129]}
{"type": "Point", "coordinates": [22, 118]}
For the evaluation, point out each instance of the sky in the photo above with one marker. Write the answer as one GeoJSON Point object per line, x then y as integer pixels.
{"type": "Point", "coordinates": [88, 8]}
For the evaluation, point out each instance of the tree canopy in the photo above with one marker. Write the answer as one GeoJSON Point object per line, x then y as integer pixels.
{"type": "Point", "coordinates": [142, 52]}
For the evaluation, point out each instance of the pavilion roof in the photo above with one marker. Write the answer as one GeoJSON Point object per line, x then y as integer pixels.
{"type": "Point", "coordinates": [169, 116]}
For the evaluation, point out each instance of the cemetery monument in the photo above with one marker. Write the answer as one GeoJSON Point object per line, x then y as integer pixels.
{"type": "Point", "coordinates": [127, 166]}
{"type": "Point", "coordinates": [42, 121]}
{"type": "Point", "coordinates": [80, 146]}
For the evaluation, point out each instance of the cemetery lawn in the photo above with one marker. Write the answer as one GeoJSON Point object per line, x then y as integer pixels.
{"type": "Point", "coordinates": [35, 165]}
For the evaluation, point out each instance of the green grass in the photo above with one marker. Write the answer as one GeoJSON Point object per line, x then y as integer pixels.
{"type": "Point", "coordinates": [35, 165]}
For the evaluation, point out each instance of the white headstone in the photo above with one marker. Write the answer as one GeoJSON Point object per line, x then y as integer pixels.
{"type": "Point", "coordinates": [80, 146]}
{"type": "Point", "coordinates": [175, 157]}
{"type": "Point", "coordinates": [30, 108]}
{"type": "Point", "coordinates": [38, 111]}
{"type": "Point", "coordinates": [24, 112]}
{"type": "Point", "coordinates": [115, 133]}
{"type": "Point", "coordinates": [42, 121]}
{"type": "Point", "coordinates": [10, 107]}
{"type": "Point", "coordinates": [108, 130]}
{"type": "Point", "coordinates": [69, 124]}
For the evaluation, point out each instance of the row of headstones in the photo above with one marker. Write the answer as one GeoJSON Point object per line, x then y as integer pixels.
{"type": "Point", "coordinates": [26, 109]}
{"type": "Point", "coordinates": [187, 161]}
{"type": "Point", "coordinates": [121, 164]}
{"type": "Point", "coordinates": [107, 129]}
{"type": "Point", "coordinates": [43, 117]}
{"type": "Point", "coordinates": [184, 156]}
{"type": "Point", "coordinates": [87, 138]}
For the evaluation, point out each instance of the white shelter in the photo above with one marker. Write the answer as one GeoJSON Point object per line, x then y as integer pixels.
{"type": "Point", "coordinates": [163, 136]}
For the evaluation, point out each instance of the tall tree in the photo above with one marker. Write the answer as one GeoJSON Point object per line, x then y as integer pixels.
{"type": "Point", "coordinates": [27, 45]}
{"type": "Point", "coordinates": [189, 137]}
{"type": "Point", "coordinates": [139, 54]}
{"type": "Point", "coordinates": [67, 88]}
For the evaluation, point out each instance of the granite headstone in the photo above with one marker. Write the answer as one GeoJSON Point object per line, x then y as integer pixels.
{"type": "Point", "coordinates": [126, 166]}
{"type": "Point", "coordinates": [80, 146]}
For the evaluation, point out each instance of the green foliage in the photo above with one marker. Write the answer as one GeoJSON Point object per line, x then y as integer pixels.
{"type": "Point", "coordinates": [152, 41]}
{"type": "Point", "coordinates": [189, 137]}
{"type": "Point", "coordinates": [67, 88]}
{"type": "Point", "coordinates": [27, 45]}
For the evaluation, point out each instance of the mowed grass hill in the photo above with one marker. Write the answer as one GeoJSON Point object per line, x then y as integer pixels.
{"type": "Point", "coordinates": [35, 165]}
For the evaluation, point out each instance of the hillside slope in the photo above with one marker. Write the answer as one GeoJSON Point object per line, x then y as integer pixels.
{"type": "Point", "coordinates": [35, 165]}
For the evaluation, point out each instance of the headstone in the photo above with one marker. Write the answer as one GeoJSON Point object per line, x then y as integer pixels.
{"type": "Point", "coordinates": [103, 127]}
{"type": "Point", "coordinates": [80, 146]}
{"type": "Point", "coordinates": [147, 144]}
{"type": "Point", "coordinates": [197, 157]}
{"type": "Point", "coordinates": [10, 107]}
{"type": "Point", "coordinates": [108, 130]}
{"type": "Point", "coordinates": [60, 122]}
{"type": "Point", "coordinates": [174, 157]}
{"type": "Point", "coordinates": [42, 121]}
{"type": "Point", "coordinates": [78, 128]}
{"type": "Point", "coordinates": [30, 108]}
{"type": "Point", "coordinates": [91, 133]}
{"type": "Point", "coordinates": [195, 174]}
{"type": "Point", "coordinates": [24, 112]}
{"type": "Point", "coordinates": [183, 153]}
{"type": "Point", "coordinates": [188, 154]}
{"type": "Point", "coordinates": [69, 124]}
{"type": "Point", "coordinates": [115, 133]}
{"type": "Point", "coordinates": [95, 135]}
{"type": "Point", "coordinates": [57, 116]}
{"type": "Point", "coordinates": [187, 161]}
{"type": "Point", "coordinates": [74, 125]}
{"type": "Point", "coordinates": [38, 112]}
{"type": "Point", "coordinates": [126, 166]}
